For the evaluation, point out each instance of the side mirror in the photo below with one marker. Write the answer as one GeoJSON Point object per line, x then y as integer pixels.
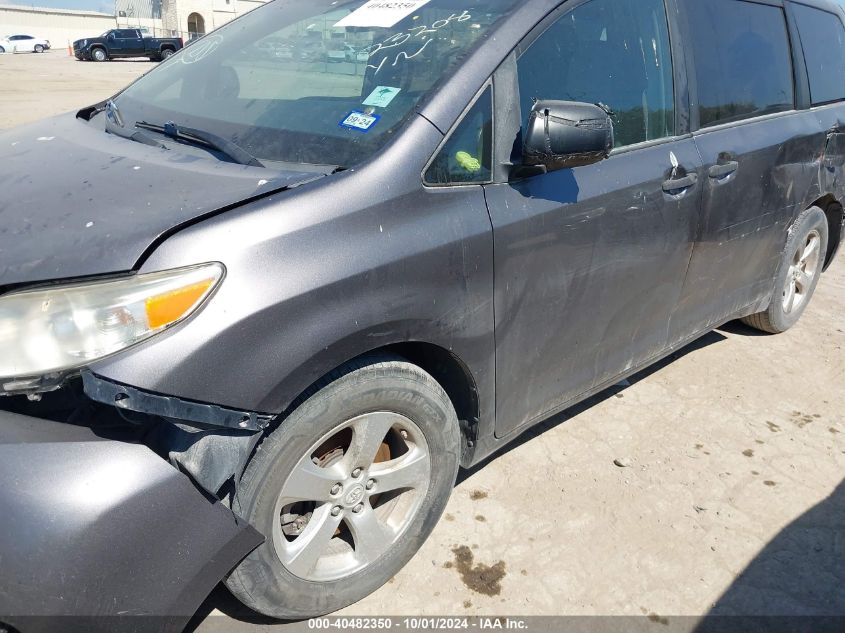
{"type": "Point", "coordinates": [563, 134]}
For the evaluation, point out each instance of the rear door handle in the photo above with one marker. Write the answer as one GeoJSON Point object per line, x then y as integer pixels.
{"type": "Point", "coordinates": [723, 170]}
{"type": "Point", "coordinates": [679, 185]}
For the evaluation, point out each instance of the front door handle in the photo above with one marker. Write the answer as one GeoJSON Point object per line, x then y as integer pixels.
{"type": "Point", "coordinates": [678, 185]}
{"type": "Point", "coordinates": [723, 170]}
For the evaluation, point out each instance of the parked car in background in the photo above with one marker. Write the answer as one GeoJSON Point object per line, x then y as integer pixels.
{"type": "Point", "coordinates": [356, 55]}
{"type": "Point", "coordinates": [23, 44]}
{"type": "Point", "coordinates": [336, 52]}
{"type": "Point", "coordinates": [275, 48]}
{"type": "Point", "coordinates": [312, 51]}
{"type": "Point", "coordinates": [118, 43]}
{"type": "Point", "coordinates": [345, 52]}
{"type": "Point", "coordinates": [255, 337]}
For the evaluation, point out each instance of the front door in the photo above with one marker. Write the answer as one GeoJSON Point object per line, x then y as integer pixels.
{"type": "Point", "coordinates": [590, 262]}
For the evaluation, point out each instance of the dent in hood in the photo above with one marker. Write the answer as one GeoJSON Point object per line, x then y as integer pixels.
{"type": "Point", "coordinates": [75, 201]}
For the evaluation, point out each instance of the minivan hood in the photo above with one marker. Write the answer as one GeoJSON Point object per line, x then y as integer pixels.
{"type": "Point", "coordinates": [75, 201]}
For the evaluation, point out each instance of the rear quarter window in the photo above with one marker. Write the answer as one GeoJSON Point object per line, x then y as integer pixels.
{"type": "Point", "coordinates": [823, 40]}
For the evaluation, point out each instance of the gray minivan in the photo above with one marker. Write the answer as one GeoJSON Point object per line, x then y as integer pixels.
{"type": "Point", "coordinates": [256, 313]}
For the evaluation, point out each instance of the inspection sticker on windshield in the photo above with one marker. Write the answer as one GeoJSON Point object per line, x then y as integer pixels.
{"type": "Point", "coordinates": [382, 96]}
{"type": "Point", "coordinates": [381, 13]}
{"type": "Point", "coordinates": [360, 121]}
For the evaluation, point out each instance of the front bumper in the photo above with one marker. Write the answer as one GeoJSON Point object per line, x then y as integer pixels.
{"type": "Point", "coordinates": [101, 535]}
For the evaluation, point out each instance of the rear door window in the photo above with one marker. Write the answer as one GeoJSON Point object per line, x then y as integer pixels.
{"type": "Point", "coordinates": [743, 64]}
{"type": "Point", "coordinates": [823, 39]}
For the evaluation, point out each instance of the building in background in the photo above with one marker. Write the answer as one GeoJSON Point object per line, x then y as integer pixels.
{"type": "Point", "coordinates": [187, 19]}
{"type": "Point", "coordinates": [57, 25]}
{"type": "Point", "coordinates": [193, 18]}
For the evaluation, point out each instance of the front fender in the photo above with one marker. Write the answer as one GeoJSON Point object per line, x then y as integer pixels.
{"type": "Point", "coordinates": [321, 274]}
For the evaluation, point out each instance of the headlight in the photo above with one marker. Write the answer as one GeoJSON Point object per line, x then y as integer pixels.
{"type": "Point", "coordinates": [47, 333]}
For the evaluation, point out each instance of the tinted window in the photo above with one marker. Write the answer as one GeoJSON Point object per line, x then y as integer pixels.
{"type": "Point", "coordinates": [743, 66]}
{"type": "Point", "coordinates": [823, 39]}
{"type": "Point", "coordinates": [127, 34]}
{"type": "Point", "coordinates": [468, 154]}
{"type": "Point", "coordinates": [614, 52]}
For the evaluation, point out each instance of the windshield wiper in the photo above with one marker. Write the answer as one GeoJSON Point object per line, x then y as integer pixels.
{"type": "Point", "coordinates": [205, 139]}
{"type": "Point", "coordinates": [114, 125]}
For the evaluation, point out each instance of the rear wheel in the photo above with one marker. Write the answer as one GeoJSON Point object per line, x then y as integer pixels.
{"type": "Point", "coordinates": [167, 52]}
{"type": "Point", "coordinates": [39, 48]}
{"type": "Point", "coordinates": [346, 489]}
{"type": "Point", "coordinates": [798, 274]}
{"type": "Point", "coordinates": [99, 55]}
{"type": "Point", "coordinates": [2, 50]}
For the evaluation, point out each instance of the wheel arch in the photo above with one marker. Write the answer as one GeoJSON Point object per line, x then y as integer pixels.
{"type": "Point", "coordinates": [457, 381]}
{"type": "Point", "coordinates": [833, 210]}
{"type": "Point", "coordinates": [449, 370]}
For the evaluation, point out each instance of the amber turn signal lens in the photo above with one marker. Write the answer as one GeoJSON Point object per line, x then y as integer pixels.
{"type": "Point", "coordinates": [164, 309]}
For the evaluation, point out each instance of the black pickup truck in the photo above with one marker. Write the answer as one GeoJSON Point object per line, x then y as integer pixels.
{"type": "Point", "coordinates": [125, 43]}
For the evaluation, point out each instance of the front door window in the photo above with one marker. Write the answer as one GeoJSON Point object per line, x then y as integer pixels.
{"type": "Point", "coordinates": [613, 52]}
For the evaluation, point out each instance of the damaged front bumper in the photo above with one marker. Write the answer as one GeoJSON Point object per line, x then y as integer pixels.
{"type": "Point", "coordinates": [104, 535]}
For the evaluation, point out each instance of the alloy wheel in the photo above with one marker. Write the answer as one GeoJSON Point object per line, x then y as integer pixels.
{"type": "Point", "coordinates": [351, 497]}
{"type": "Point", "coordinates": [802, 272]}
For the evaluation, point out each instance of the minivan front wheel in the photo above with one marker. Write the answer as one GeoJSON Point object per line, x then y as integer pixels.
{"type": "Point", "coordinates": [798, 274]}
{"type": "Point", "coordinates": [346, 489]}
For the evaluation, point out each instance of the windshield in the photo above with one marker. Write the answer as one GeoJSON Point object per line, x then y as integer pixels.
{"type": "Point", "coordinates": [328, 83]}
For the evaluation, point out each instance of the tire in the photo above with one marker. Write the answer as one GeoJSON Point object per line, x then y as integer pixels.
{"type": "Point", "coordinates": [38, 48]}
{"type": "Point", "coordinates": [2, 50]}
{"type": "Point", "coordinates": [798, 274]}
{"type": "Point", "coordinates": [381, 393]}
{"type": "Point", "coordinates": [167, 52]}
{"type": "Point", "coordinates": [99, 55]}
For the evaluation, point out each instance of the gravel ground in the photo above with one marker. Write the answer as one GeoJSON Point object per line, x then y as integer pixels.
{"type": "Point", "coordinates": [713, 483]}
